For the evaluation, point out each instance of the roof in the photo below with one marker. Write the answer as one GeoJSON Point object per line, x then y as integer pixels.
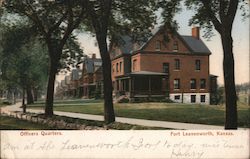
{"type": "Point", "coordinates": [195, 44]}
{"type": "Point", "coordinates": [75, 74]}
{"type": "Point", "coordinates": [147, 73]}
{"type": "Point", "coordinates": [211, 75]}
{"type": "Point", "coordinates": [91, 64]}
{"type": "Point", "coordinates": [127, 45]}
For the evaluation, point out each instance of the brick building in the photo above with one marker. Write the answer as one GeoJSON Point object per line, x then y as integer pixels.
{"type": "Point", "coordinates": [177, 68]}
{"type": "Point", "coordinates": [91, 76]}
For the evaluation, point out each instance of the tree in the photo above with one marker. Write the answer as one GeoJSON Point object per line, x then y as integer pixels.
{"type": "Point", "coordinates": [23, 63]}
{"type": "Point", "coordinates": [55, 21]}
{"type": "Point", "coordinates": [219, 14]}
{"type": "Point", "coordinates": [113, 18]}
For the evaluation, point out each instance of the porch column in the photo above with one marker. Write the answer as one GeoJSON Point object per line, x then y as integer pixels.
{"type": "Point", "coordinates": [149, 86]}
{"type": "Point", "coordinates": [131, 86]}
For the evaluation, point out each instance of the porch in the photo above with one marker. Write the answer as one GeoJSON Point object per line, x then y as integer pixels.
{"type": "Point", "coordinates": [142, 84]}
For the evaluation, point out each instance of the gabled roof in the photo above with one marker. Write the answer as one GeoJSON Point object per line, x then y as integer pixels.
{"type": "Point", "coordinates": [195, 44]}
{"type": "Point", "coordinates": [127, 45]}
{"type": "Point", "coordinates": [75, 74]}
{"type": "Point", "coordinates": [90, 64]}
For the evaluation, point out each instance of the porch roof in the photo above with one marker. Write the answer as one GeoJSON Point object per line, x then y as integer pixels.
{"type": "Point", "coordinates": [148, 73]}
{"type": "Point", "coordinates": [142, 73]}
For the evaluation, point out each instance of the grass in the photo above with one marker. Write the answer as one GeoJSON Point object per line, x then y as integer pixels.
{"type": "Point", "coordinates": [10, 123]}
{"type": "Point", "coordinates": [187, 113]}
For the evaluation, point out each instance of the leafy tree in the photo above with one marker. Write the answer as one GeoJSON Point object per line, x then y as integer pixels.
{"type": "Point", "coordinates": [112, 19]}
{"type": "Point", "coordinates": [55, 21]}
{"type": "Point", "coordinates": [220, 15]}
{"type": "Point", "coordinates": [23, 62]}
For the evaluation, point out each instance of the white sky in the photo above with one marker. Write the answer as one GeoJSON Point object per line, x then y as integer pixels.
{"type": "Point", "coordinates": [240, 47]}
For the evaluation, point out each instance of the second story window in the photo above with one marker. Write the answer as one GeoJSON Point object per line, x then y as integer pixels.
{"type": "Point", "coordinates": [193, 83]}
{"type": "Point", "coordinates": [197, 65]}
{"type": "Point", "coordinates": [158, 45]}
{"type": "Point", "coordinates": [166, 68]}
{"type": "Point", "coordinates": [120, 66]}
{"type": "Point", "coordinates": [134, 64]}
{"type": "Point", "coordinates": [175, 46]}
{"type": "Point", "coordinates": [113, 68]}
{"type": "Point", "coordinates": [117, 69]}
{"type": "Point", "coordinates": [176, 83]}
{"type": "Point", "coordinates": [203, 84]}
{"type": "Point", "coordinates": [177, 64]}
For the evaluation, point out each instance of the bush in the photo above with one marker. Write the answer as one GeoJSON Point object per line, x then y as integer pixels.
{"type": "Point", "coordinates": [123, 100]}
{"type": "Point", "coordinates": [6, 103]}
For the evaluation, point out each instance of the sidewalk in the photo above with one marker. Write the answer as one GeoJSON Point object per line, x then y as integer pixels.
{"type": "Point", "coordinates": [143, 122]}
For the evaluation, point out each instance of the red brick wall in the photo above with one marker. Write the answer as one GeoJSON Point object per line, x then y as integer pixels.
{"type": "Point", "coordinates": [166, 46]}
{"type": "Point", "coordinates": [97, 76]}
{"type": "Point", "coordinates": [114, 70]}
{"type": "Point", "coordinates": [154, 62]}
{"type": "Point", "coordinates": [137, 67]}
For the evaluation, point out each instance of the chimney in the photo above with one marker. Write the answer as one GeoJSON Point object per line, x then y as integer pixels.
{"type": "Point", "coordinates": [93, 56]}
{"type": "Point", "coordinates": [196, 32]}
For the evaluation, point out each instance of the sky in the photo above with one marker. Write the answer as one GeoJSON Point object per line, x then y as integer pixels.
{"type": "Point", "coordinates": [240, 46]}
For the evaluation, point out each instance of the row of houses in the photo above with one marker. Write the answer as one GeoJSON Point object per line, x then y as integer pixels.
{"type": "Point", "coordinates": [84, 81]}
{"type": "Point", "coordinates": [177, 68]}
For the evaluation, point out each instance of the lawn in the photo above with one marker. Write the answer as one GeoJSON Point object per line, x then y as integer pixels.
{"type": "Point", "coordinates": [187, 113]}
{"type": "Point", "coordinates": [10, 123]}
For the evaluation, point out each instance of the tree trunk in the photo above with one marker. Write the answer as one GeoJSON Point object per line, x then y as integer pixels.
{"type": "Point", "coordinates": [229, 81]}
{"type": "Point", "coordinates": [30, 99]}
{"type": "Point", "coordinates": [23, 102]}
{"type": "Point", "coordinates": [35, 94]}
{"type": "Point", "coordinates": [50, 88]}
{"type": "Point", "coordinates": [109, 114]}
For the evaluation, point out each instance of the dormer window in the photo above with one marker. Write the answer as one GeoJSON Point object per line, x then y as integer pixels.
{"type": "Point", "coordinates": [175, 46]}
{"type": "Point", "coordinates": [158, 45]}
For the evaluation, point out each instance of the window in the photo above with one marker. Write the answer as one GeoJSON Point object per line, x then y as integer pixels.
{"type": "Point", "coordinates": [193, 98]}
{"type": "Point", "coordinates": [134, 64]}
{"type": "Point", "coordinates": [193, 84]}
{"type": "Point", "coordinates": [120, 66]}
{"type": "Point", "coordinates": [177, 97]}
{"type": "Point", "coordinates": [117, 70]}
{"type": "Point", "coordinates": [177, 64]}
{"type": "Point", "coordinates": [166, 67]}
{"type": "Point", "coordinates": [158, 45]}
{"type": "Point", "coordinates": [197, 65]}
{"type": "Point", "coordinates": [175, 46]}
{"type": "Point", "coordinates": [176, 83]}
{"type": "Point", "coordinates": [203, 84]}
{"type": "Point", "coordinates": [203, 98]}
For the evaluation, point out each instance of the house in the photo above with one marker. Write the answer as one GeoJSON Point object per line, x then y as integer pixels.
{"type": "Point", "coordinates": [74, 82]}
{"type": "Point", "coordinates": [168, 65]}
{"type": "Point", "coordinates": [91, 76]}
